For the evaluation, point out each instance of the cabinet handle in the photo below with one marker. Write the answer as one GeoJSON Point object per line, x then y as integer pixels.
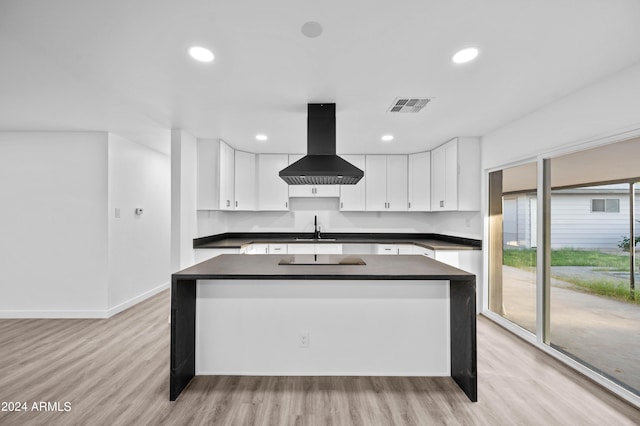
{"type": "Point", "coordinates": [228, 203]}
{"type": "Point", "coordinates": [236, 204]}
{"type": "Point", "coordinates": [286, 204]}
{"type": "Point", "coordinates": [441, 203]}
{"type": "Point", "coordinates": [341, 204]}
{"type": "Point", "coordinates": [409, 204]}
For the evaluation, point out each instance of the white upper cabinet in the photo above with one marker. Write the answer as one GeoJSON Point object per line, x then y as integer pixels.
{"type": "Point", "coordinates": [419, 182]}
{"type": "Point", "coordinates": [397, 183]}
{"type": "Point", "coordinates": [245, 181]}
{"type": "Point", "coordinates": [208, 190]}
{"type": "Point", "coordinates": [226, 177]}
{"type": "Point", "coordinates": [311, 190]}
{"type": "Point", "coordinates": [455, 175]}
{"type": "Point", "coordinates": [273, 192]}
{"type": "Point", "coordinates": [386, 187]}
{"type": "Point", "coordinates": [352, 197]}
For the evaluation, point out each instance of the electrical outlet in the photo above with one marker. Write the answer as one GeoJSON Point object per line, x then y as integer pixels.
{"type": "Point", "coordinates": [303, 340]}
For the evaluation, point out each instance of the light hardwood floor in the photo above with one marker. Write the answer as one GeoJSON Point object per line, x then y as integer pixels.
{"type": "Point", "coordinates": [116, 372]}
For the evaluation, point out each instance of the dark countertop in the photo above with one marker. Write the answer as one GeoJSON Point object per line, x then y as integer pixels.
{"type": "Point", "coordinates": [431, 241]}
{"type": "Point", "coordinates": [265, 267]}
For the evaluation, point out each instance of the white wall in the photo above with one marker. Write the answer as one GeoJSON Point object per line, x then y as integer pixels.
{"type": "Point", "coordinates": [139, 245]}
{"type": "Point", "coordinates": [605, 108]}
{"type": "Point", "coordinates": [53, 224]}
{"type": "Point", "coordinates": [184, 226]}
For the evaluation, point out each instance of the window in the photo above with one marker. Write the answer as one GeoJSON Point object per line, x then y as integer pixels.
{"type": "Point", "coordinates": [608, 205]}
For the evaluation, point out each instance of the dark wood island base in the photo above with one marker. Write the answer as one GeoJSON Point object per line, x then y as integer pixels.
{"type": "Point", "coordinates": [265, 267]}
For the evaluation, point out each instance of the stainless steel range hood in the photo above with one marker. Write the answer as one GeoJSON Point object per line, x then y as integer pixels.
{"type": "Point", "coordinates": [321, 165]}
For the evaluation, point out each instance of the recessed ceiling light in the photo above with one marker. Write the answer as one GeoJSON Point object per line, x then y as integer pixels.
{"type": "Point", "coordinates": [387, 138]}
{"type": "Point", "coordinates": [262, 137]}
{"type": "Point", "coordinates": [201, 54]}
{"type": "Point", "coordinates": [311, 29]}
{"type": "Point", "coordinates": [465, 55]}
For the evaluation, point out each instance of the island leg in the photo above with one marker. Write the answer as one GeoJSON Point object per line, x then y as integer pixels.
{"type": "Point", "coordinates": [183, 335]}
{"type": "Point", "coordinates": [463, 336]}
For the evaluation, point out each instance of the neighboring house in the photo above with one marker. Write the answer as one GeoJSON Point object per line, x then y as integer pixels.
{"type": "Point", "coordinates": [583, 218]}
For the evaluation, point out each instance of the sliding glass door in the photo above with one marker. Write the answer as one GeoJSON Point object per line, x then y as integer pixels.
{"type": "Point", "coordinates": [563, 261]}
{"type": "Point", "coordinates": [513, 228]}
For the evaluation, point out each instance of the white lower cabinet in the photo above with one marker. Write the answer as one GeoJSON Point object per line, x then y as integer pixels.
{"type": "Point", "coordinates": [387, 249]}
{"type": "Point", "coordinates": [450, 257]}
{"type": "Point", "coordinates": [328, 248]}
{"type": "Point", "coordinates": [424, 251]}
{"type": "Point", "coordinates": [200, 255]}
{"type": "Point", "coordinates": [314, 248]}
{"type": "Point", "coordinates": [257, 249]}
{"type": "Point", "coordinates": [278, 249]}
{"type": "Point", "coordinates": [301, 248]}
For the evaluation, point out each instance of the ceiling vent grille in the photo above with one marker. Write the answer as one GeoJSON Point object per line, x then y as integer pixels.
{"type": "Point", "coordinates": [409, 105]}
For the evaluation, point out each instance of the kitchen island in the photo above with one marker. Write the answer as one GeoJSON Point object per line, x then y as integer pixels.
{"type": "Point", "coordinates": [324, 269]}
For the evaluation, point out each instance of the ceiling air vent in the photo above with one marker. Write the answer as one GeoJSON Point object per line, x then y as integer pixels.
{"type": "Point", "coordinates": [411, 105]}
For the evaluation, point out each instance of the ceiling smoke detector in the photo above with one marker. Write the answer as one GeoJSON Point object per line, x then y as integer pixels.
{"type": "Point", "coordinates": [410, 105]}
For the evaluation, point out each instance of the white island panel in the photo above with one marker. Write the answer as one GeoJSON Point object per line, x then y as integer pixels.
{"type": "Point", "coordinates": [354, 327]}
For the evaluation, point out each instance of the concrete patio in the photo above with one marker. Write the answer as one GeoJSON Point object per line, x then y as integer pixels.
{"type": "Point", "coordinates": [600, 331]}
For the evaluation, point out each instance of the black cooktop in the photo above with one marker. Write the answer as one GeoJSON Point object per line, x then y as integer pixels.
{"type": "Point", "coordinates": [321, 259]}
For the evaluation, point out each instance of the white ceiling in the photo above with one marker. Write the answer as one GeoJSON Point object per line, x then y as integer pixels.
{"type": "Point", "coordinates": [122, 66]}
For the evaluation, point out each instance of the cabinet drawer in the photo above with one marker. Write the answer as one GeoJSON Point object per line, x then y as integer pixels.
{"type": "Point", "coordinates": [277, 248]}
{"type": "Point", "coordinates": [387, 249]}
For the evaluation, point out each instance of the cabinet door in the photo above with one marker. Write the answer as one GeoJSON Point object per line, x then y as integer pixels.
{"type": "Point", "coordinates": [299, 190]}
{"type": "Point", "coordinates": [208, 178]}
{"type": "Point", "coordinates": [258, 249]}
{"type": "Point", "coordinates": [451, 176]}
{"type": "Point", "coordinates": [352, 197]}
{"type": "Point", "coordinates": [438, 167]}
{"type": "Point", "coordinates": [273, 192]}
{"type": "Point", "coordinates": [450, 257]}
{"type": "Point", "coordinates": [406, 249]}
{"type": "Point", "coordinates": [419, 182]}
{"type": "Point", "coordinates": [328, 248]}
{"type": "Point", "coordinates": [387, 249]}
{"type": "Point", "coordinates": [397, 183]}
{"type": "Point", "coordinates": [226, 201]}
{"type": "Point", "coordinates": [424, 251]}
{"type": "Point", "coordinates": [376, 187]}
{"type": "Point", "coordinates": [277, 249]}
{"type": "Point", "coordinates": [326, 191]}
{"type": "Point", "coordinates": [301, 248]}
{"type": "Point", "coordinates": [245, 181]}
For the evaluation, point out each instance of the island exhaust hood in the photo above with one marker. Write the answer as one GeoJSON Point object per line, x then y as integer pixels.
{"type": "Point", "coordinates": [321, 165]}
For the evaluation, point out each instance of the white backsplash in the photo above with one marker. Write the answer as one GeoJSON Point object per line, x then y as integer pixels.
{"type": "Point", "coordinates": [300, 219]}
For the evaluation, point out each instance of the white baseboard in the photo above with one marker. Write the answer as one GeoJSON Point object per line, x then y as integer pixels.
{"type": "Point", "coordinates": [101, 314]}
{"type": "Point", "coordinates": [135, 300]}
